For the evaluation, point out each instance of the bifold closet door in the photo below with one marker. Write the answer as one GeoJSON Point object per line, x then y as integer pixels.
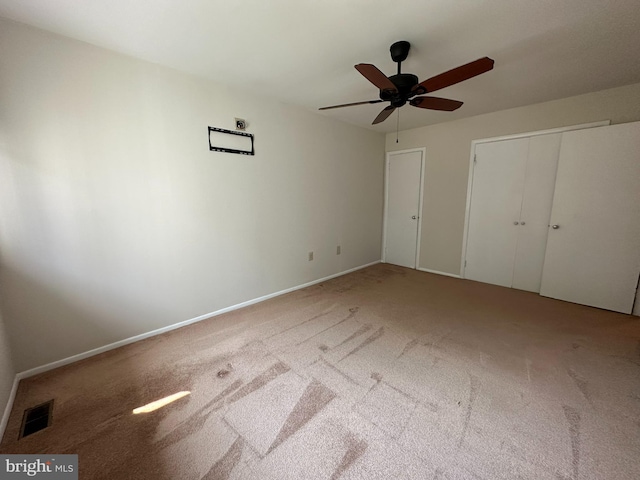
{"type": "Point", "coordinates": [593, 247]}
{"type": "Point", "coordinates": [494, 214]}
{"type": "Point", "coordinates": [537, 198]}
{"type": "Point", "coordinates": [511, 197]}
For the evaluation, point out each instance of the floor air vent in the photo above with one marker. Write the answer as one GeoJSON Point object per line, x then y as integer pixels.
{"type": "Point", "coordinates": [36, 418]}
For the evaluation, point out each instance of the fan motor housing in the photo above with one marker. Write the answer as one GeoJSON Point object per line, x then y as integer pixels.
{"type": "Point", "coordinates": [404, 82]}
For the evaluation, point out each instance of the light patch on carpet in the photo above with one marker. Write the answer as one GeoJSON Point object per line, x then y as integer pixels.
{"type": "Point", "coordinates": [171, 434]}
{"type": "Point", "coordinates": [163, 402]}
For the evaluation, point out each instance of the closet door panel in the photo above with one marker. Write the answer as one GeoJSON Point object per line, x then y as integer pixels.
{"type": "Point", "coordinates": [593, 256]}
{"type": "Point", "coordinates": [537, 198]}
{"type": "Point", "coordinates": [496, 197]}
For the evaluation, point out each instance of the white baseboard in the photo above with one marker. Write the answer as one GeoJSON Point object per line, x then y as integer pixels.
{"type": "Point", "coordinates": [439, 273]}
{"type": "Point", "coordinates": [9, 406]}
{"type": "Point", "coordinates": [74, 358]}
{"type": "Point", "coordinates": [90, 353]}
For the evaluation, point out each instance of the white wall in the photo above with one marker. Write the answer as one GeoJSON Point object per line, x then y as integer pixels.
{"type": "Point", "coordinates": [447, 160]}
{"type": "Point", "coordinates": [7, 374]}
{"type": "Point", "coordinates": [115, 218]}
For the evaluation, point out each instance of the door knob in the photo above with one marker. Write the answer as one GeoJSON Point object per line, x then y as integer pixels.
{"type": "Point", "coordinates": [413, 217]}
{"type": "Point", "coordinates": [555, 227]}
{"type": "Point", "coordinates": [521, 223]}
{"type": "Point", "coordinates": [515, 223]}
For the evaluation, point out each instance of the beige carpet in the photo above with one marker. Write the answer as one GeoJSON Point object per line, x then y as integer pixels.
{"type": "Point", "coordinates": [385, 373]}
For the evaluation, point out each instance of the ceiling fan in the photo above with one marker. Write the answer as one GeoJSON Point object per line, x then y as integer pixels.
{"type": "Point", "coordinates": [404, 87]}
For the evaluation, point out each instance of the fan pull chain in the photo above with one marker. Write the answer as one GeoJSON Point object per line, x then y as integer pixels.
{"type": "Point", "coordinates": [397, 125]}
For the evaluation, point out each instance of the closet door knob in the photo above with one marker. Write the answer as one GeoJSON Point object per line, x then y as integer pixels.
{"type": "Point", "coordinates": [515, 223]}
{"type": "Point", "coordinates": [413, 217]}
{"type": "Point", "coordinates": [555, 227]}
{"type": "Point", "coordinates": [521, 223]}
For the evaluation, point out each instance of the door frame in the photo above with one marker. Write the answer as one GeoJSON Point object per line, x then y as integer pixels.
{"type": "Point", "coordinates": [472, 157]}
{"type": "Point", "coordinates": [423, 152]}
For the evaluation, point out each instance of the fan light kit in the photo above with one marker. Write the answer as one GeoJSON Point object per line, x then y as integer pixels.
{"type": "Point", "coordinates": [404, 87]}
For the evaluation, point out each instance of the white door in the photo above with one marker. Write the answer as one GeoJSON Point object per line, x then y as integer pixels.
{"type": "Point", "coordinates": [593, 246]}
{"type": "Point", "coordinates": [404, 182]}
{"type": "Point", "coordinates": [494, 215]}
{"type": "Point", "coordinates": [511, 196]}
{"type": "Point", "coordinates": [537, 198]}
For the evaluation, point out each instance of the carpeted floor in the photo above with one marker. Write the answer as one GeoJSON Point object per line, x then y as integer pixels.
{"type": "Point", "coordinates": [385, 373]}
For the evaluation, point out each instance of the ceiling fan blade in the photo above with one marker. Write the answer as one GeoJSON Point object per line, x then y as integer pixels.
{"type": "Point", "coordinates": [436, 103]}
{"type": "Point", "coordinates": [351, 104]}
{"type": "Point", "coordinates": [384, 114]}
{"type": "Point", "coordinates": [456, 75]}
{"type": "Point", "coordinates": [375, 76]}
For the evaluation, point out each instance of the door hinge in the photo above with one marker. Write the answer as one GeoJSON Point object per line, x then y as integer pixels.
{"type": "Point", "coordinates": [465, 263]}
{"type": "Point", "coordinates": [474, 158]}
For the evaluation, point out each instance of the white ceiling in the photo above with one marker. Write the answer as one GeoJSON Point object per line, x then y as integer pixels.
{"type": "Point", "coordinates": [303, 51]}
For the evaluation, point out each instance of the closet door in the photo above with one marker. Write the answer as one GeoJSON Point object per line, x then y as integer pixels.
{"type": "Point", "coordinates": [494, 215]}
{"type": "Point", "coordinates": [593, 247]}
{"type": "Point", "coordinates": [537, 198]}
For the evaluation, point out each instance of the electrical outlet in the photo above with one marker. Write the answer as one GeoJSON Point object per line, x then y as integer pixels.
{"type": "Point", "coordinates": [338, 250]}
{"type": "Point", "coordinates": [310, 256]}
